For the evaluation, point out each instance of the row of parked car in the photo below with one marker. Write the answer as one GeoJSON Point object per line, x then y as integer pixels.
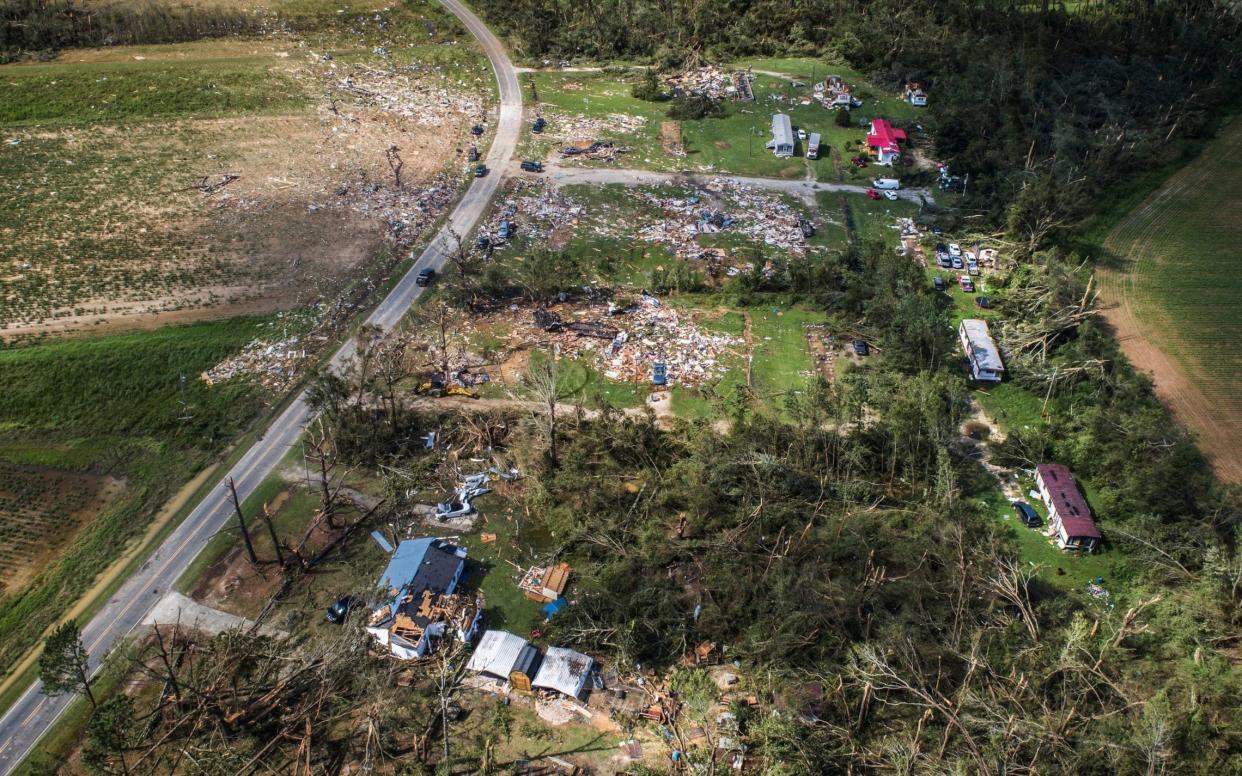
{"type": "Point", "coordinates": [952, 256]}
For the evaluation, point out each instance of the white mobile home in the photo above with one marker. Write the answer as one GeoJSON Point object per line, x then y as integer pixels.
{"type": "Point", "coordinates": [782, 142]}
{"type": "Point", "coordinates": [981, 351]}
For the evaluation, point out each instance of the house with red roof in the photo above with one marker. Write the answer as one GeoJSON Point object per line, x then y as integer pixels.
{"type": "Point", "coordinates": [1069, 517]}
{"type": "Point", "coordinates": [884, 141]}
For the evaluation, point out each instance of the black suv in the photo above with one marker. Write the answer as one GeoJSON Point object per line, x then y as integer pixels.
{"type": "Point", "coordinates": [425, 277]}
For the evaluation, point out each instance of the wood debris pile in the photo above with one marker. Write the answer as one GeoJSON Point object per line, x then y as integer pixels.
{"type": "Point", "coordinates": [538, 208]}
{"type": "Point", "coordinates": [735, 207]}
{"type": "Point", "coordinates": [577, 128]}
{"type": "Point", "coordinates": [647, 333]}
{"type": "Point", "coordinates": [406, 95]}
{"type": "Point", "coordinates": [709, 81]}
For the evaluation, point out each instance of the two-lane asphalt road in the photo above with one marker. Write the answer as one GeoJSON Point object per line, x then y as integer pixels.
{"type": "Point", "coordinates": [31, 716]}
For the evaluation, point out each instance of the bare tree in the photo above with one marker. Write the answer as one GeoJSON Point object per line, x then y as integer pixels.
{"type": "Point", "coordinates": [395, 163]}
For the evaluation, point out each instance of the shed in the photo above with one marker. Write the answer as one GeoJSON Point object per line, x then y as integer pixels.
{"type": "Point", "coordinates": [545, 583]}
{"type": "Point", "coordinates": [564, 671]}
{"type": "Point", "coordinates": [502, 655]}
{"type": "Point", "coordinates": [782, 142]}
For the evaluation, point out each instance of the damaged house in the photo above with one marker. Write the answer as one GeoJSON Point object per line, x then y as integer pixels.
{"type": "Point", "coordinates": [884, 141]}
{"type": "Point", "coordinates": [421, 608]}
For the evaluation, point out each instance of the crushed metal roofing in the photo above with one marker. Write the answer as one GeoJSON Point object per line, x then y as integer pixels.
{"type": "Point", "coordinates": [1067, 500]}
{"type": "Point", "coordinates": [563, 670]}
{"type": "Point", "coordinates": [982, 349]}
{"type": "Point", "coordinates": [497, 653]}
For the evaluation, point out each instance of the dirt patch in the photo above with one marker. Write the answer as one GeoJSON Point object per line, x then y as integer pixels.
{"type": "Point", "coordinates": [722, 145]}
{"type": "Point", "coordinates": [41, 510]}
{"type": "Point", "coordinates": [670, 139]}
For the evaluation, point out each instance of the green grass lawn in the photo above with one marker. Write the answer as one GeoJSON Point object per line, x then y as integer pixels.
{"type": "Point", "coordinates": [1034, 548]}
{"type": "Point", "coordinates": [733, 143]}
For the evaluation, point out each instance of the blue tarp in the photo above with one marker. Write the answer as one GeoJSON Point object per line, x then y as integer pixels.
{"type": "Point", "coordinates": [550, 609]}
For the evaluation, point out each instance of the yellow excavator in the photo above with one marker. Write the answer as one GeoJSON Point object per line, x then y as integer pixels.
{"type": "Point", "coordinates": [434, 386]}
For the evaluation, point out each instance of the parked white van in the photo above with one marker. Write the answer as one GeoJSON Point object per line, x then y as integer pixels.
{"type": "Point", "coordinates": [886, 183]}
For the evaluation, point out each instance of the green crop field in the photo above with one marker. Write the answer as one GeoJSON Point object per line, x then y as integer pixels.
{"type": "Point", "coordinates": [1174, 290]}
{"type": "Point", "coordinates": [95, 435]}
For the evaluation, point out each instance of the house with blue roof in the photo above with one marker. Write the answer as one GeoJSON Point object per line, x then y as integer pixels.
{"type": "Point", "coordinates": [419, 605]}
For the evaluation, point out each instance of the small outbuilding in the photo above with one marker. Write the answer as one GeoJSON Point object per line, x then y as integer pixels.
{"type": "Point", "coordinates": [782, 142]}
{"type": "Point", "coordinates": [564, 671]}
{"type": "Point", "coordinates": [502, 655]}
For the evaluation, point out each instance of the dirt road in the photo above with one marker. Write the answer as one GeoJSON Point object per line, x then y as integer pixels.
{"type": "Point", "coordinates": [562, 175]}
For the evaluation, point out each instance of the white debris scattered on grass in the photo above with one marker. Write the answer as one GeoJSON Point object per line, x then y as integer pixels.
{"type": "Point", "coordinates": [722, 205]}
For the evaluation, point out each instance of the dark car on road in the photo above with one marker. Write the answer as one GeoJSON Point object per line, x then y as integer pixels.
{"type": "Point", "coordinates": [425, 277]}
{"type": "Point", "coordinates": [480, 171]}
{"type": "Point", "coordinates": [860, 348]}
{"type": "Point", "coordinates": [1027, 514]}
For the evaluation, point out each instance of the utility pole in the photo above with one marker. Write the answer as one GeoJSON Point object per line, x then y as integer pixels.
{"type": "Point", "coordinates": [241, 524]}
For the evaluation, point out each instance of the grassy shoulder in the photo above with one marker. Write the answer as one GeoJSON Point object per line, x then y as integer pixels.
{"type": "Point", "coordinates": [116, 405]}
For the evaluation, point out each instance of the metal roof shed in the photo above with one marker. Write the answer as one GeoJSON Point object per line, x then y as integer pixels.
{"type": "Point", "coordinates": [563, 670]}
{"type": "Point", "coordinates": [496, 654]}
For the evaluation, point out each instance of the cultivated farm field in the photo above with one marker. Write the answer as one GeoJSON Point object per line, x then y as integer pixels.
{"type": "Point", "coordinates": [1174, 290]}
{"type": "Point", "coordinates": [147, 184]}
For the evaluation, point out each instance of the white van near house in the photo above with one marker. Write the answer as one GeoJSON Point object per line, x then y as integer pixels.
{"type": "Point", "coordinates": [891, 184]}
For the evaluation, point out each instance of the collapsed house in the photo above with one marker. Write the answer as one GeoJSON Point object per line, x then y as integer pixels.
{"type": "Point", "coordinates": [421, 609]}
{"type": "Point", "coordinates": [884, 141]}
{"type": "Point", "coordinates": [915, 95]}
{"type": "Point", "coordinates": [564, 671]}
{"type": "Point", "coordinates": [506, 657]}
{"type": "Point", "coordinates": [833, 92]}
